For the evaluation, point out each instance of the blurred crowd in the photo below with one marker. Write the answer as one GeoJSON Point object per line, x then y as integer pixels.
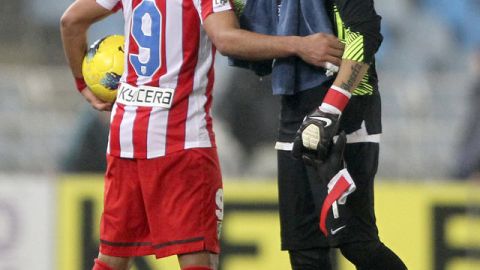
{"type": "Point", "coordinates": [429, 69]}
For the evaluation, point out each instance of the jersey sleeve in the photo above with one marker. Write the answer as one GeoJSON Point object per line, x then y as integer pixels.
{"type": "Point", "coordinates": [207, 7]}
{"type": "Point", "coordinates": [112, 5]}
{"type": "Point", "coordinates": [361, 29]}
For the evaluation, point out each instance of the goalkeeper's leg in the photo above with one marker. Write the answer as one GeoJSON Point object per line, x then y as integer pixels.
{"type": "Point", "coordinates": [372, 255]}
{"type": "Point", "coordinates": [300, 233]}
{"type": "Point", "coordinates": [301, 236]}
{"type": "Point", "coordinates": [310, 259]}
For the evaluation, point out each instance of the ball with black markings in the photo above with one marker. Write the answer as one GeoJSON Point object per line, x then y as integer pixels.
{"type": "Point", "coordinates": [103, 66]}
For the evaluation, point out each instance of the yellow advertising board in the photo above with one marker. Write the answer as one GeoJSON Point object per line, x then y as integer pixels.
{"type": "Point", "coordinates": [431, 226]}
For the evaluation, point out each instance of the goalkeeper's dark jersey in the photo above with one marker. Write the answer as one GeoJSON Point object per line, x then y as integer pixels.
{"type": "Point", "coordinates": [357, 24]}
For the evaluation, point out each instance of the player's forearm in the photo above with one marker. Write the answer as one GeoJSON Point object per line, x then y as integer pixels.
{"type": "Point", "coordinates": [348, 78]}
{"type": "Point", "coordinates": [74, 43]}
{"type": "Point", "coordinates": [350, 74]}
{"type": "Point", "coordinates": [252, 46]}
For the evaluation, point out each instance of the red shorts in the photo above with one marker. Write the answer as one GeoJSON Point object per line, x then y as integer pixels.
{"type": "Point", "coordinates": [163, 206]}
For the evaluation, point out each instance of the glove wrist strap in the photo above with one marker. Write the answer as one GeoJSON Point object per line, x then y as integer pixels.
{"type": "Point", "coordinates": [335, 100]}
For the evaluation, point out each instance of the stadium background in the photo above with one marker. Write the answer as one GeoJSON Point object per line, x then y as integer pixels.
{"type": "Point", "coordinates": [429, 72]}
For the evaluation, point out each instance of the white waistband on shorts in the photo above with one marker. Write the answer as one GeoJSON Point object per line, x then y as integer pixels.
{"type": "Point", "coordinates": [285, 146]}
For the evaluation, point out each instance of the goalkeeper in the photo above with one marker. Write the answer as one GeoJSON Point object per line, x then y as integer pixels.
{"type": "Point", "coordinates": [351, 104]}
{"type": "Point", "coordinates": [314, 108]}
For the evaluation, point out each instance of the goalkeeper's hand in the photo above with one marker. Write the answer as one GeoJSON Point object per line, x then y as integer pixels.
{"type": "Point", "coordinates": [315, 135]}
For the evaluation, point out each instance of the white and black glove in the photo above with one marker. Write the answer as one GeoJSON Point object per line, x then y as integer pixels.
{"type": "Point", "coordinates": [315, 135]}
{"type": "Point", "coordinates": [314, 138]}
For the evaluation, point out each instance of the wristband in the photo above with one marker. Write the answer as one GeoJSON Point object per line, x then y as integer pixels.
{"type": "Point", "coordinates": [117, 7]}
{"type": "Point", "coordinates": [335, 100]}
{"type": "Point", "coordinates": [80, 83]}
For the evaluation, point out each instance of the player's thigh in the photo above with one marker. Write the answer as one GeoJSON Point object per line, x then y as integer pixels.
{"type": "Point", "coordinates": [297, 207]}
{"type": "Point", "coordinates": [124, 227]}
{"type": "Point", "coordinates": [362, 163]}
{"type": "Point", "coordinates": [183, 198]}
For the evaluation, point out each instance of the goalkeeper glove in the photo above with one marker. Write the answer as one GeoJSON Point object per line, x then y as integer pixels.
{"type": "Point", "coordinates": [315, 135]}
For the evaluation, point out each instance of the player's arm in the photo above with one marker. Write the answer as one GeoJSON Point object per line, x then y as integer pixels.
{"type": "Point", "coordinates": [74, 25]}
{"type": "Point", "coordinates": [363, 38]}
{"type": "Point", "coordinates": [225, 33]}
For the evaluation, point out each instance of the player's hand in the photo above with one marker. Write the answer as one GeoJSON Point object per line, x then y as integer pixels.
{"type": "Point", "coordinates": [315, 135]}
{"type": "Point", "coordinates": [96, 103]}
{"type": "Point", "coordinates": [320, 48]}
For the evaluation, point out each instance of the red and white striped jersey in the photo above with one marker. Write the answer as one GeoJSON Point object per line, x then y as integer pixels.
{"type": "Point", "coordinates": [167, 51]}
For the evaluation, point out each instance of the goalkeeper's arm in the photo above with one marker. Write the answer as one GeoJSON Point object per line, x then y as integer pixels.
{"type": "Point", "coordinates": [362, 36]}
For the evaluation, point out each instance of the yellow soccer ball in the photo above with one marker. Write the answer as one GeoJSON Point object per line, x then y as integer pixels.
{"type": "Point", "coordinates": [103, 66]}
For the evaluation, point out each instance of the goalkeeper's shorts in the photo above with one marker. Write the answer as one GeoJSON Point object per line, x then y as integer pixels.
{"type": "Point", "coordinates": [162, 206]}
{"type": "Point", "coordinates": [302, 191]}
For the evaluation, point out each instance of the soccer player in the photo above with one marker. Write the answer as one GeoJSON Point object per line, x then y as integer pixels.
{"type": "Point", "coordinates": [345, 198]}
{"type": "Point", "coordinates": [163, 190]}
